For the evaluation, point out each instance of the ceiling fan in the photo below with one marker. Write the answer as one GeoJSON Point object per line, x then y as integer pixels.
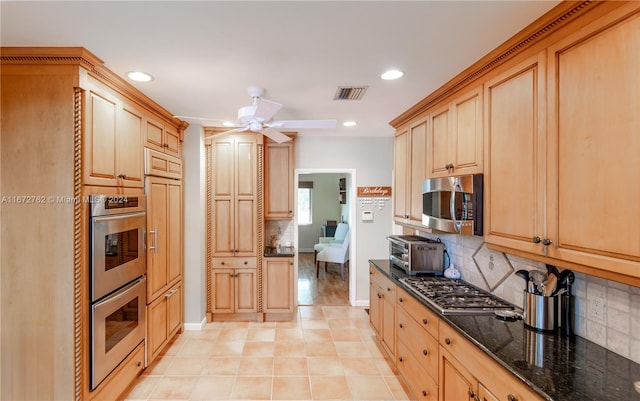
{"type": "Point", "coordinates": [258, 118]}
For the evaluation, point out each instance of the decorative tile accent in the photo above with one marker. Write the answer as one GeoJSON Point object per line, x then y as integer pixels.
{"type": "Point", "coordinates": [493, 266]}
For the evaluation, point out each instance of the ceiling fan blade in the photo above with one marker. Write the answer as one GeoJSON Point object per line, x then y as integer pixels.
{"type": "Point", "coordinates": [275, 135]}
{"type": "Point", "coordinates": [241, 129]}
{"type": "Point", "coordinates": [303, 124]}
{"type": "Point", "coordinates": [265, 109]}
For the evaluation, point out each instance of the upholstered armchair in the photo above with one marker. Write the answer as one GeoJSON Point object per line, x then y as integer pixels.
{"type": "Point", "coordinates": [341, 233]}
{"type": "Point", "coordinates": [339, 253]}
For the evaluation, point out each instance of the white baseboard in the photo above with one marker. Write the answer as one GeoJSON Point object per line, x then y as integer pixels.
{"type": "Point", "coordinates": [362, 302]}
{"type": "Point", "coordinates": [196, 326]}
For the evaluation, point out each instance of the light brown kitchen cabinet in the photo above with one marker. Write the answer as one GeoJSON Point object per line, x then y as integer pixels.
{"type": "Point", "coordinates": [279, 183]}
{"type": "Point", "coordinates": [113, 140]}
{"type": "Point", "coordinates": [485, 395]}
{"type": "Point", "coordinates": [278, 285]}
{"type": "Point", "coordinates": [164, 234]}
{"type": "Point", "coordinates": [162, 138]}
{"type": "Point", "coordinates": [164, 320]}
{"type": "Point", "coordinates": [593, 124]}
{"type": "Point", "coordinates": [234, 288]}
{"type": "Point", "coordinates": [456, 383]}
{"type": "Point", "coordinates": [421, 384]}
{"type": "Point", "coordinates": [383, 294]}
{"type": "Point", "coordinates": [234, 217]}
{"type": "Point", "coordinates": [455, 139]}
{"type": "Point", "coordinates": [409, 171]}
{"type": "Point", "coordinates": [561, 147]}
{"type": "Point", "coordinates": [516, 142]}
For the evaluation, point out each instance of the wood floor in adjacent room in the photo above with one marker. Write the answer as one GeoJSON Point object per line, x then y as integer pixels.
{"type": "Point", "coordinates": [328, 352]}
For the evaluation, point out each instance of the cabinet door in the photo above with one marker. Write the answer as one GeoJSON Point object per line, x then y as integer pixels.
{"type": "Point", "coordinates": [174, 310]}
{"type": "Point", "coordinates": [375, 310]}
{"type": "Point", "coordinates": [515, 133]}
{"type": "Point", "coordinates": [467, 140]}
{"type": "Point", "coordinates": [389, 323]}
{"type": "Point", "coordinates": [223, 287]}
{"type": "Point", "coordinates": [246, 223]}
{"type": "Point", "coordinates": [417, 168]}
{"type": "Point", "coordinates": [422, 385]}
{"type": "Point", "coordinates": [154, 134]}
{"type": "Point", "coordinates": [246, 282]}
{"type": "Point", "coordinates": [455, 384]}
{"type": "Point", "coordinates": [401, 175]}
{"type": "Point", "coordinates": [279, 184]}
{"type": "Point", "coordinates": [439, 142]}
{"type": "Point", "coordinates": [100, 165]}
{"type": "Point", "coordinates": [174, 231]}
{"type": "Point", "coordinates": [278, 285]}
{"type": "Point", "coordinates": [594, 125]}
{"type": "Point", "coordinates": [157, 329]}
{"type": "Point", "coordinates": [157, 205]}
{"type": "Point", "coordinates": [171, 141]}
{"type": "Point", "coordinates": [246, 209]}
{"type": "Point", "coordinates": [129, 151]}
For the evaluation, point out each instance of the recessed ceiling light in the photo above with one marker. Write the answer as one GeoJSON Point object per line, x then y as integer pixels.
{"type": "Point", "coordinates": [392, 74]}
{"type": "Point", "coordinates": [139, 76]}
{"type": "Point", "coordinates": [349, 123]}
{"type": "Point", "coordinates": [228, 124]}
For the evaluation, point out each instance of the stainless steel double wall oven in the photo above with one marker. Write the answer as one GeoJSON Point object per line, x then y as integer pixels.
{"type": "Point", "coordinates": [117, 280]}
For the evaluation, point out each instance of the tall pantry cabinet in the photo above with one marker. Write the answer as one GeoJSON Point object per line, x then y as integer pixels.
{"type": "Point", "coordinates": [164, 250]}
{"type": "Point", "coordinates": [70, 128]}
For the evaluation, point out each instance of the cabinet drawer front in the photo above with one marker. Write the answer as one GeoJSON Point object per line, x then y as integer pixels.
{"type": "Point", "coordinates": [230, 263]}
{"type": "Point", "coordinates": [161, 165]}
{"type": "Point", "coordinates": [116, 383]}
{"type": "Point", "coordinates": [419, 312]}
{"type": "Point", "coordinates": [418, 342]}
{"type": "Point", "coordinates": [387, 285]}
{"type": "Point", "coordinates": [418, 380]}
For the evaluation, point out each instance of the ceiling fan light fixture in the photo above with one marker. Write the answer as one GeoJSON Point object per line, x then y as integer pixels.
{"type": "Point", "coordinates": [391, 75]}
{"type": "Point", "coordinates": [139, 76]}
{"type": "Point", "coordinates": [228, 124]}
{"type": "Point", "coordinates": [349, 124]}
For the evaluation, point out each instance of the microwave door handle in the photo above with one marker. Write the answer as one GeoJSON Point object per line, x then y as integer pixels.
{"type": "Point", "coordinates": [452, 208]}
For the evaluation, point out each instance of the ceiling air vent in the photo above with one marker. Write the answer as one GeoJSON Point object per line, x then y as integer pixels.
{"type": "Point", "coordinates": [350, 92]}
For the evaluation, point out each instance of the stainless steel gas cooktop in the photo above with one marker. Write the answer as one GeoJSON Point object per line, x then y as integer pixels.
{"type": "Point", "coordinates": [455, 297]}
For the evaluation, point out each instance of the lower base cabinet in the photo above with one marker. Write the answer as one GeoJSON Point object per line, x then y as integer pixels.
{"type": "Point", "coordinates": [278, 285]}
{"type": "Point", "coordinates": [164, 320]}
{"type": "Point", "coordinates": [419, 381]}
{"type": "Point", "coordinates": [234, 290]}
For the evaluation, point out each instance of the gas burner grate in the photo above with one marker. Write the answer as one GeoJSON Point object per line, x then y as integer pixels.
{"type": "Point", "coordinates": [455, 296]}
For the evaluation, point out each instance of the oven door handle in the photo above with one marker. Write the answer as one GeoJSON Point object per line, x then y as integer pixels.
{"type": "Point", "coordinates": [121, 293]}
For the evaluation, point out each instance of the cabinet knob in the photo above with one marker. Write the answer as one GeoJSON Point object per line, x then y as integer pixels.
{"type": "Point", "coordinates": [139, 364]}
{"type": "Point", "coordinates": [400, 299]}
{"type": "Point", "coordinates": [425, 321]}
{"type": "Point", "coordinates": [425, 393]}
{"type": "Point", "coordinates": [246, 263]}
{"type": "Point", "coordinates": [123, 176]}
{"type": "Point", "coordinates": [222, 263]}
{"type": "Point", "coordinates": [447, 341]}
{"type": "Point", "coordinates": [512, 397]}
{"type": "Point", "coordinates": [401, 359]}
{"type": "Point", "coordinates": [425, 352]}
{"type": "Point", "coordinates": [472, 394]}
{"type": "Point", "coordinates": [388, 289]}
{"type": "Point", "coordinates": [401, 325]}
{"type": "Point", "coordinates": [536, 239]}
{"type": "Point", "coordinates": [546, 241]}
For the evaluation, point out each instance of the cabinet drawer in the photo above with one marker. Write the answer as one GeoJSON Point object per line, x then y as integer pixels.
{"type": "Point", "coordinates": [419, 312]}
{"type": "Point", "coordinates": [418, 342]}
{"type": "Point", "coordinates": [232, 263]}
{"type": "Point", "coordinates": [121, 378]}
{"type": "Point", "coordinates": [162, 165]}
{"type": "Point", "coordinates": [418, 380]}
{"type": "Point", "coordinates": [499, 381]}
{"type": "Point", "coordinates": [379, 278]}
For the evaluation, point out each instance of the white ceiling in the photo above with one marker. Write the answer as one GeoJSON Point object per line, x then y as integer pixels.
{"type": "Point", "coordinates": [204, 54]}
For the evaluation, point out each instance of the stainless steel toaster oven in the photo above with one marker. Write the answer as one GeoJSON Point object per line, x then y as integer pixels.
{"type": "Point", "coordinates": [416, 255]}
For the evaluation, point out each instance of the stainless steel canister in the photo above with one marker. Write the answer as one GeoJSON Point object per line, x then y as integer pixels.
{"type": "Point", "coordinates": [540, 312]}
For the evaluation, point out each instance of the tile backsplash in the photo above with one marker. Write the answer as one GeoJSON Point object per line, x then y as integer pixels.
{"type": "Point", "coordinates": [606, 312]}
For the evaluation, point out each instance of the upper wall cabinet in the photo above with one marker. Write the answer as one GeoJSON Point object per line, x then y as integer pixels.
{"type": "Point", "coordinates": [410, 171]}
{"type": "Point", "coordinates": [455, 139]}
{"type": "Point", "coordinates": [113, 140]}
{"type": "Point", "coordinates": [516, 137]}
{"type": "Point", "coordinates": [162, 138]}
{"type": "Point", "coordinates": [279, 183]}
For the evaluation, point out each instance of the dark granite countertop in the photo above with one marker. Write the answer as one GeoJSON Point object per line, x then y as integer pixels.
{"type": "Point", "coordinates": [285, 252]}
{"type": "Point", "coordinates": [556, 367]}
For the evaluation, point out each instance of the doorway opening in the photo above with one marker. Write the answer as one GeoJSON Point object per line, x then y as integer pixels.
{"type": "Point", "coordinates": [330, 202]}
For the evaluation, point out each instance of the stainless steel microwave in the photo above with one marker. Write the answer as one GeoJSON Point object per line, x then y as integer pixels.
{"type": "Point", "coordinates": [453, 204]}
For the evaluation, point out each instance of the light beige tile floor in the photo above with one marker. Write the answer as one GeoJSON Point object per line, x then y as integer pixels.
{"type": "Point", "coordinates": [327, 353]}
